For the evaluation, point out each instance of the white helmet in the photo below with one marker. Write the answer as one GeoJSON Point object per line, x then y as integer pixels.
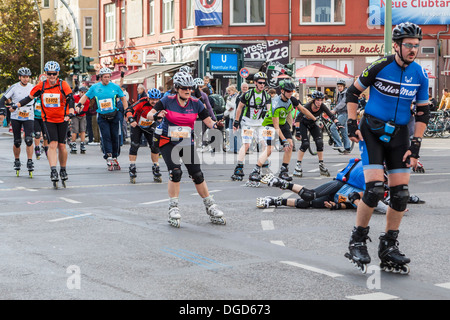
{"type": "Point", "coordinates": [104, 71]}
{"type": "Point", "coordinates": [24, 72]}
{"type": "Point", "coordinates": [52, 66]}
{"type": "Point", "coordinates": [199, 82]}
{"type": "Point", "coordinates": [186, 69]}
{"type": "Point", "coordinates": [183, 79]}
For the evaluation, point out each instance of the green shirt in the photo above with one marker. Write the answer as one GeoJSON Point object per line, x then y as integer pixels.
{"type": "Point", "coordinates": [279, 109]}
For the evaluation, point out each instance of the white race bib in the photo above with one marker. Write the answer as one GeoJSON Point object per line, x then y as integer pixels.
{"type": "Point", "coordinates": [176, 133]}
{"type": "Point", "coordinates": [52, 100]}
{"type": "Point", "coordinates": [106, 104]}
{"type": "Point", "coordinates": [144, 122]}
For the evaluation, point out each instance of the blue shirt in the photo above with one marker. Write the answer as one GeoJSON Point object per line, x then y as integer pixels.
{"type": "Point", "coordinates": [105, 96]}
{"type": "Point", "coordinates": [393, 89]}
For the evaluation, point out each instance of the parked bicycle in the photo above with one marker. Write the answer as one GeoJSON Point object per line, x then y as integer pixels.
{"type": "Point", "coordinates": [439, 125]}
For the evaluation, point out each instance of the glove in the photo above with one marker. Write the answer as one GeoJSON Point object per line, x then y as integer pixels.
{"type": "Point", "coordinates": [415, 147]}
{"type": "Point", "coordinates": [352, 127]}
{"type": "Point", "coordinates": [354, 196]}
{"type": "Point", "coordinates": [236, 124]}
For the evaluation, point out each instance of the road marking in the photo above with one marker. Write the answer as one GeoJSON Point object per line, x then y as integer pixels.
{"type": "Point", "coordinates": [26, 189]}
{"type": "Point", "coordinates": [156, 201]}
{"type": "Point", "coordinates": [69, 200]}
{"type": "Point", "coordinates": [212, 191]}
{"type": "Point", "coordinates": [267, 225]}
{"type": "Point", "coordinates": [339, 164]}
{"type": "Point", "coordinates": [313, 269]}
{"type": "Point", "coordinates": [373, 296]}
{"type": "Point", "coordinates": [443, 285]}
{"type": "Point", "coordinates": [71, 217]}
{"type": "Point", "coordinates": [277, 242]}
{"type": "Point", "coordinates": [269, 210]}
{"type": "Point", "coordinates": [195, 258]}
{"type": "Point", "coordinates": [313, 170]}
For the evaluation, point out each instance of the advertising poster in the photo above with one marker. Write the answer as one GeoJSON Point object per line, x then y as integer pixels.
{"type": "Point", "coordinates": [208, 12]}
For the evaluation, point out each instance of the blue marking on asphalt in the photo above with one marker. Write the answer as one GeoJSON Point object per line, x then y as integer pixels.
{"type": "Point", "coordinates": [195, 258]}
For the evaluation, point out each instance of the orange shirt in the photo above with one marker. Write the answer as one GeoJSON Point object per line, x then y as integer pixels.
{"type": "Point", "coordinates": [53, 101]}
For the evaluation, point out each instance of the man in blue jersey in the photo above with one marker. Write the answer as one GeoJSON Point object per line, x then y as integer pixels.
{"type": "Point", "coordinates": [394, 82]}
{"type": "Point", "coordinates": [105, 93]}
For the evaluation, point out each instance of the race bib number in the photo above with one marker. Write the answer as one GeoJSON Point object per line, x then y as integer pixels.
{"type": "Point", "coordinates": [106, 104]}
{"type": "Point", "coordinates": [179, 132]}
{"type": "Point", "coordinates": [268, 134]}
{"type": "Point", "coordinates": [144, 122]}
{"type": "Point", "coordinates": [247, 133]}
{"type": "Point", "coordinates": [38, 107]}
{"type": "Point", "coordinates": [52, 100]}
{"type": "Point", "coordinates": [23, 115]}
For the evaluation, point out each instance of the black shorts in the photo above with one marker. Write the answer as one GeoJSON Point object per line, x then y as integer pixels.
{"type": "Point", "coordinates": [375, 153]}
{"type": "Point", "coordinates": [57, 131]}
{"type": "Point", "coordinates": [16, 125]}
{"type": "Point", "coordinates": [40, 127]}
{"type": "Point", "coordinates": [172, 154]}
{"type": "Point", "coordinates": [285, 129]}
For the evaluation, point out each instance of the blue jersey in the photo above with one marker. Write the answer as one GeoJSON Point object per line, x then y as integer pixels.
{"type": "Point", "coordinates": [105, 96]}
{"type": "Point", "coordinates": [393, 89]}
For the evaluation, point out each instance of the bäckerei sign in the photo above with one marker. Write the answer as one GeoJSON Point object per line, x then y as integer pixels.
{"type": "Point", "coordinates": [312, 49]}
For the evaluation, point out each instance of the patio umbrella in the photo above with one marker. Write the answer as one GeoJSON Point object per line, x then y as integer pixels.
{"type": "Point", "coordinates": [317, 70]}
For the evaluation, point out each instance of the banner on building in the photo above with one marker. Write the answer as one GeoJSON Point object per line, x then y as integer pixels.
{"type": "Point", "coordinates": [208, 12]}
{"type": "Point", "coordinates": [417, 11]}
{"type": "Point", "coordinates": [270, 50]}
{"type": "Point", "coordinates": [135, 58]}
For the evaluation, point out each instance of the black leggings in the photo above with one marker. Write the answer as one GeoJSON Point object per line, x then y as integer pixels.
{"type": "Point", "coordinates": [135, 139]}
{"type": "Point", "coordinates": [172, 154]}
{"type": "Point", "coordinates": [324, 192]}
{"type": "Point", "coordinates": [316, 133]}
{"type": "Point", "coordinates": [28, 127]}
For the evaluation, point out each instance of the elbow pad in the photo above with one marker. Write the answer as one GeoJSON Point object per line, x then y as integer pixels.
{"type": "Point", "coordinates": [353, 94]}
{"type": "Point", "coordinates": [425, 116]}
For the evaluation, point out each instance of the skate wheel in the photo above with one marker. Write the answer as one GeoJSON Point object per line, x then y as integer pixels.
{"type": "Point", "coordinates": [363, 268]}
{"type": "Point", "coordinates": [159, 180]}
{"type": "Point", "coordinates": [133, 180]}
{"type": "Point", "coordinates": [17, 173]}
{"type": "Point", "coordinates": [55, 184]}
{"type": "Point", "coordinates": [63, 183]}
{"type": "Point", "coordinates": [174, 223]}
{"type": "Point", "coordinates": [405, 269]}
{"type": "Point", "coordinates": [220, 221]}
{"type": "Point", "coordinates": [30, 173]}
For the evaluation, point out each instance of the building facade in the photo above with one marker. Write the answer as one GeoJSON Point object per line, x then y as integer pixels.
{"type": "Point", "coordinates": [151, 39]}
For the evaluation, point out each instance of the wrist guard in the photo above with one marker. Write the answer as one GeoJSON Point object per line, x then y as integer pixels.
{"type": "Point", "coordinates": [352, 127]}
{"type": "Point", "coordinates": [236, 124]}
{"type": "Point", "coordinates": [415, 147]}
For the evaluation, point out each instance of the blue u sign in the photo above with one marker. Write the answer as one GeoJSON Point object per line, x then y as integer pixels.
{"type": "Point", "coordinates": [227, 62]}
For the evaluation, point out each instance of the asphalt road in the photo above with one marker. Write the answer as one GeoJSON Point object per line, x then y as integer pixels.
{"type": "Point", "coordinates": [104, 238]}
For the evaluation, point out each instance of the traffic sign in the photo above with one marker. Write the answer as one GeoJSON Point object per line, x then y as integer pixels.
{"type": "Point", "coordinates": [244, 73]}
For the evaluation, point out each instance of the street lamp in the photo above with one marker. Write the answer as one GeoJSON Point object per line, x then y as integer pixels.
{"type": "Point", "coordinates": [42, 36]}
{"type": "Point", "coordinates": [388, 28]}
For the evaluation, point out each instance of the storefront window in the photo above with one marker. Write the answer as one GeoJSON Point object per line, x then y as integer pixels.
{"type": "Point", "coordinates": [322, 11]}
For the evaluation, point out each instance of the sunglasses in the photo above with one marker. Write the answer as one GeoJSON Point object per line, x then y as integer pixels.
{"type": "Point", "coordinates": [288, 91]}
{"type": "Point", "coordinates": [410, 46]}
{"type": "Point", "coordinates": [260, 82]}
{"type": "Point", "coordinates": [52, 73]}
{"type": "Point", "coordinates": [186, 88]}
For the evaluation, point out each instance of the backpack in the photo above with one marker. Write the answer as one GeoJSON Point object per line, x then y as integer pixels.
{"type": "Point", "coordinates": [353, 174]}
{"type": "Point", "coordinates": [219, 103]}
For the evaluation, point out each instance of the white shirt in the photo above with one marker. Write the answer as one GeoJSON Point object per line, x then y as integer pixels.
{"type": "Point", "coordinates": [16, 93]}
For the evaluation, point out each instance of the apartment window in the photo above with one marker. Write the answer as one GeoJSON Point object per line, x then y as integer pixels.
{"type": "Point", "coordinates": [88, 32]}
{"type": "Point", "coordinates": [168, 15]}
{"type": "Point", "coordinates": [248, 12]}
{"type": "Point", "coordinates": [151, 17]}
{"type": "Point", "coordinates": [322, 11]}
{"type": "Point", "coordinates": [110, 22]}
{"type": "Point", "coordinates": [46, 4]}
{"type": "Point", "coordinates": [190, 14]}
{"type": "Point", "coordinates": [123, 28]}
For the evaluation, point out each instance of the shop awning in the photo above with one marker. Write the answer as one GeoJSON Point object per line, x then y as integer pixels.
{"type": "Point", "coordinates": [140, 76]}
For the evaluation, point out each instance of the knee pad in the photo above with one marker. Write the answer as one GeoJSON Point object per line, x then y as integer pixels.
{"type": "Point", "coordinates": [319, 144]}
{"type": "Point", "coordinates": [153, 148]}
{"type": "Point", "coordinates": [399, 197]}
{"type": "Point", "coordinates": [305, 146]}
{"type": "Point", "coordinates": [175, 174]}
{"type": "Point", "coordinates": [17, 143]}
{"type": "Point", "coordinates": [374, 192]}
{"type": "Point", "coordinates": [198, 177]}
{"type": "Point", "coordinates": [134, 148]}
{"type": "Point", "coordinates": [29, 141]}
{"type": "Point", "coordinates": [301, 204]}
{"type": "Point", "coordinates": [37, 135]}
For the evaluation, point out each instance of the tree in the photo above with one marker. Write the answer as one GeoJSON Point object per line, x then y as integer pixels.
{"type": "Point", "coordinates": [20, 41]}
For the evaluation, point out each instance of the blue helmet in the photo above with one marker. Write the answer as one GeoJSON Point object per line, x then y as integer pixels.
{"type": "Point", "coordinates": [52, 66]}
{"type": "Point", "coordinates": [154, 94]}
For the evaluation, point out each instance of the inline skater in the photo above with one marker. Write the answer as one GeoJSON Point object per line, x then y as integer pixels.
{"type": "Point", "coordinates": [105, 93]}
{"type": "Point", "coordinates": [140, 125]}
{"type": "Point", "coordinates": [57, 106]}
{"type": "Point", "coordinates": [303, 125]}
{"type": "Point", "coordinates": [340, 111]}
{"type": "Point", "coordinates": [22, 117]}
{"type": "Point", "coordinates": [79, 123]}
{"type": "Point", "coordinates": [253, 106]}
{"type": "Point", "coordinates": [174, 137]}
{"type": "Point", "coordinates": [279, 117]}
{"type": "Point", "coordinates": [39, 130]}
{"type": "Point", "coordinates": [383, 138]}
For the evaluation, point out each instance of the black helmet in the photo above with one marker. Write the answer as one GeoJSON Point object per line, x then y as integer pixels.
{"type": "Point", "coordinates": [287, 85]}
{"type": "Point", "coordinates": [318, 95]}
{"type": "Point", "coordinates": [406, 30]}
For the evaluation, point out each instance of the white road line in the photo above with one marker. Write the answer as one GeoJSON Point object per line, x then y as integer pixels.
{"type": "Point", "coordinates": [269, 210]}
{"type": "Point", "coordinates": [313, 170]}
{"type": "Point", "coordinates": [373, 296]}
{"type": "Point", "coordinates": [267, 225]}
{"type": "Point", "coordinates": [71, 217]}
{"type": "Point", "coordinates": [313, 269]}
{"type": "Point", "coordinates": [212, 191]}
{"type": "Point", "coordinates": [156, 201]}
{"type": "Point", "coordinates": [277, 242]}
{"type": "Point", "coordinates": [339, 164]}
{"type": "Point", "coordinates": [443, 285]}
{"type": "Point", "coordinates": [69, 200]}
{"type": "Point", "coordinates": [26, 189]}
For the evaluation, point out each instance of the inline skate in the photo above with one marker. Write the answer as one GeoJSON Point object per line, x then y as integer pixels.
{"type": "Point", "coordinates": [273, 181]}
{"type": "Point", "coordinates": [254, 178]}
{"type": "Point", "coordinates": [238, 174]}
{"type": "Point", "coordinates": [215, 214]}
{"type": "Point", "coordinates": [115, 164]}
{"type": "Point", "coordinates": [132, 172]}
{"type": "Point", "coordinates": [284, 174]}
{"type": "Point", "coordinates": [82, 148]}
{"type": "Point", "coordinates": [54, 177]}
{"type": "Point", "coordinates": [73, 147]}
{"type": "Point", "coordinates": [174, 213]}
{"type": "Point", "coordinates": [298, 171]}
{"type": "Point", "coordinates": [37, 152]}
{"type": "Point", "coordinates": [392, 260]}
{"type": "Point", "coordinates": [420, 168]}
{"type": "Point", "coordinates": [17, 165]}
{"type": "Point", "coordinates": [109, 162]}
{"type": "Point", "coordinates": [156, 173]}
{"type": "Point", "coordinates": [30, 167]}
{"type": "Point", "coordinates": [63, 176]}
{"type": "Point", "coordinates": [268, 201]}
{"type": "Point", "coordinates": [357, 247]}
{"type": "Point", "coordinates": [323, 170]}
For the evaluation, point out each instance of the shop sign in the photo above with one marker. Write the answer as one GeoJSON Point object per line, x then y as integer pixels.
{"type": "Point", "coordinates": [135, 58]}
{"type": "Point", "coordinates": [312, 49]}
